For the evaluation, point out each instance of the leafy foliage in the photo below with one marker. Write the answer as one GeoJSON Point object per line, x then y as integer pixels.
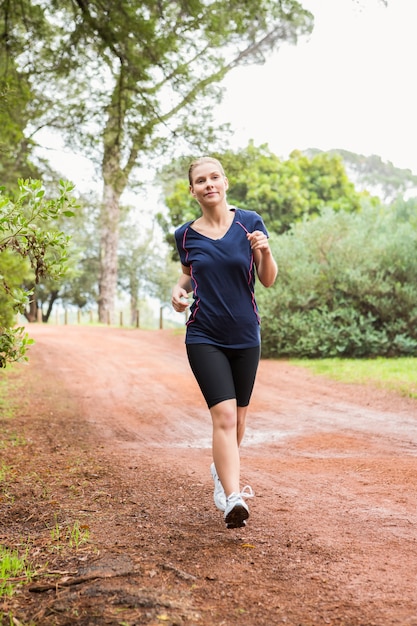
{"type": "Point", "coordinates": [137, 260]}
{"type": "Point", "coordinates": [20, 229]}
{"type": "Point", "coordinates": [27, 232]}
{"type": "Point", "coordinates": [347, 287]}
{"type": "Point", "coordinates": [15, 111]}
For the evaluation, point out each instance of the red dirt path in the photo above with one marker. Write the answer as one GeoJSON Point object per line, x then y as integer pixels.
{"type": "Point", "coordinates": [119, 421]}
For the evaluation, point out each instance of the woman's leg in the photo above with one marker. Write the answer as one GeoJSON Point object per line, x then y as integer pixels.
{"type": "Point", "coordinates": [242, 411]}
{"type": "Point", "coordinates": [226, 378]}
{"type": "Point", "coordinates": [244, 364]}
{"type": "Point", "coordinates": [213, 372]}
{"type": "Point", "coordinates": [225, 445]}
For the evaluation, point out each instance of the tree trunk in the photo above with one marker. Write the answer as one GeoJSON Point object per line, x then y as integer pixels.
{"type": "Point", "coordinates": [31, 312]}
{"type": "Point", "coordinates": [133, 310]}
{"type": "Point", "coordinates": [53, 296]}
{"type": "Point", "coordinates": [109, 239]}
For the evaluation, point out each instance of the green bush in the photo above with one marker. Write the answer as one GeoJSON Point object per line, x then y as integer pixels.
{"type": "Point", "coordinates": [347, 286]}
{"type": "Point", "coordinates": [30, 244]}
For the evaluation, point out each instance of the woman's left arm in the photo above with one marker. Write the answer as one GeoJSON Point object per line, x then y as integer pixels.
{"type": "Point", "coordinates": [265, 263]}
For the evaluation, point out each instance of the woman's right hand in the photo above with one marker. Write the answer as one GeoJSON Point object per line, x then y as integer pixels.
{"type": "Point", "coordinates": [179, 299]}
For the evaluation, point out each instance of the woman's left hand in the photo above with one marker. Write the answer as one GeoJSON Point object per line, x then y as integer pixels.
{"type": "Point", "coordinates": [265, 263]}
{"type": "Point", "coordinates": [258, 240]}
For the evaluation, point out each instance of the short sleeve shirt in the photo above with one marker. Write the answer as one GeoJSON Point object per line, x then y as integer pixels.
{"type": "Point", "coordinates": [224, 311]}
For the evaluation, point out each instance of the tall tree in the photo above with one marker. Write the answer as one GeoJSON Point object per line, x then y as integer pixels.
{"type": "Point", "coordinates": [126, 80]}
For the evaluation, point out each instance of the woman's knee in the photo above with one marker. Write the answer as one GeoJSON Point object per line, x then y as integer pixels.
{"type": "Point", "coordinates": [224, 415]}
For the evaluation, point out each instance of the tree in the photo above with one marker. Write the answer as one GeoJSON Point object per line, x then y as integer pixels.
{"type": "Point", "coordinates": [79, 286]}
{"type": "Point", "coordinates": [137, 259]}
{"type": "Point", "coordinates": [26, 233]}
{"type": "Point", "coordinates": [125, 81]}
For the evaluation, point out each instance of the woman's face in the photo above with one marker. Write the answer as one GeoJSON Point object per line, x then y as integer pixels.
{"type": "Point", "coordinates": [209, 184]}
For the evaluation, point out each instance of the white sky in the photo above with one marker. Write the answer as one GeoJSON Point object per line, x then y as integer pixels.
{"type": "Point", "coordinates": [351, 85]}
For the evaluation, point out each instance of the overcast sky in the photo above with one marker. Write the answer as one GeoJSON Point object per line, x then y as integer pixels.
{"type": "Point", "coordinates": [350, 85]}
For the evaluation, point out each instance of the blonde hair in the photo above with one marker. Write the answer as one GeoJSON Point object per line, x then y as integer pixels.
{"type": "Point", "coordinates": [200, 161]}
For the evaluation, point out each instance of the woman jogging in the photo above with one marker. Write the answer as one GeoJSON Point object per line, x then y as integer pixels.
{"type": "Point", "coordinates": [220, 252]}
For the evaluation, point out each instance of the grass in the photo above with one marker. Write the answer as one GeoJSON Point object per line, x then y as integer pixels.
{"type": "Point", "coordinates": [14, 570]}
{"type": "Point", "coordinates": [396, 374]}
{"type": "Point", "coordinates": [74, 536]}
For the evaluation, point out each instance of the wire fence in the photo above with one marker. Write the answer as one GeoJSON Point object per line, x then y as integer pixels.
{"type": "Point", "coordinates": [147, 320]}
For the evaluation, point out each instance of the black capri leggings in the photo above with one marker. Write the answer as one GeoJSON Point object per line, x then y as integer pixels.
{"type": "Point", "coordinates": [224, 373]}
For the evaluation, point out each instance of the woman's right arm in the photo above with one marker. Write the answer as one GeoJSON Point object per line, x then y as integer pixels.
{"type": "Point", "coordinates": [181, 290]}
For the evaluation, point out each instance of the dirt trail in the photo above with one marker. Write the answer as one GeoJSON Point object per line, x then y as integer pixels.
{"type": "Point", "coordinates": [332, 537]}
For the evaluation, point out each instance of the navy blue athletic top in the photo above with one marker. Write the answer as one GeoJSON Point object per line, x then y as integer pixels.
{"type": "Point", "coordinates": [224, 311]}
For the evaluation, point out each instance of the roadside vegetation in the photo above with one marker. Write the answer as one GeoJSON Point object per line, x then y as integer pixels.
{"type": "Point", "coordinates": [396, 374]}
{"type": "Point", "coordinates": [32, 248]}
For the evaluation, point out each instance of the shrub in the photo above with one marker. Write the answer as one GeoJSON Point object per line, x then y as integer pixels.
{"type": "Point", "coordinates": [347, 286]}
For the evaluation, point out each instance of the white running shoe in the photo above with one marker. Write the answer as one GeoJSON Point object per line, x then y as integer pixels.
{"type": "Point", "coordinates": [237, 511]}
{"type": "Point", "coordinates": [219, 496]}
